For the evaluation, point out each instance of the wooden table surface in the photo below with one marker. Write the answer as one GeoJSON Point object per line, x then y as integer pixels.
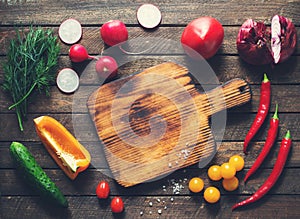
{"type": "Point", "coordinates": [283, 201]}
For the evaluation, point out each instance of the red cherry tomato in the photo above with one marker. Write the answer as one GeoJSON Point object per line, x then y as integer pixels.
{"type": "Point", "coordinates": [117, 205]}
{"type": "Point", "coordinates": [102, 190]}
{"type": "Point", "coordinates": [202, 36]}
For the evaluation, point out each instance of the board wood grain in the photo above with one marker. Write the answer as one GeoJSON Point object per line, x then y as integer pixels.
{"type": "Point", "coordinates": [138, 148]}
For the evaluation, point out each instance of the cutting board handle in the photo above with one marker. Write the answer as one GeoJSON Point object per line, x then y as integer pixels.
{"type": "Point", "coordinates": [232, 93]}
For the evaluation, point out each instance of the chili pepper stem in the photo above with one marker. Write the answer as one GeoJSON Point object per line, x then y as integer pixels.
{"type": "Point", "coordinates": [275, 116]}
{"type": "Point", "coordinates": [288, 135]}
{"type": "Point", "coordinates": [266, 79]}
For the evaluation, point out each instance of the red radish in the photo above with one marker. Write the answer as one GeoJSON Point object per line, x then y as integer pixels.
{"type": "Point", "coordinates": [78, 53]}
{"type": "Point", "coordinates": [106, 67]}
{"type": "Point", "coordinates": [114, 32]}
{"type": "Point", "coordinates": [259, 44]}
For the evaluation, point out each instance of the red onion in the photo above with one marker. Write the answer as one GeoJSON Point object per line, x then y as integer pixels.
{"type": "Point", "coordinates": [259, 44]}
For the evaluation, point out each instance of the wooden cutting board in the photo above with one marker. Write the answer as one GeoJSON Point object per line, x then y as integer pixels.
{"type": "Point", "coordinates": [157, 121]}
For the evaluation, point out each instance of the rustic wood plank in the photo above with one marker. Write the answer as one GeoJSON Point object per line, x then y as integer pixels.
{"type": "Point", "coordinates": [18, 201]}
{"type": "Point", "coordinates": [58, 102]}
{"type": "Point", "coordinates": [273, 206]}
{"type": "Point", "coordinates": [225, 150]}
{"type": "Point", "coordinates": [237, 126]}
{"type": "Point", "coordinates": [95, 12]}
{"type": "Point", "coordinates": [225, 68]}
{"type": "Point", "coordinates": [137, 40]}
{"type": "Point", "coordinates": [13, 184]}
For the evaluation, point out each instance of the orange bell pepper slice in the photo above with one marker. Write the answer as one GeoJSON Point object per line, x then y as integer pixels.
{"type": "Point", "coordinates": [63, 147]}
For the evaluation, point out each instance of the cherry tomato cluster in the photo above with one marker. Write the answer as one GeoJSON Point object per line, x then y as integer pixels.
{"type": "Point", "coordinates": [211, 194]}
{"type": "Point", "coordinates": [102, 192]}
{"type": "Point", "coordinates": [226, 171]}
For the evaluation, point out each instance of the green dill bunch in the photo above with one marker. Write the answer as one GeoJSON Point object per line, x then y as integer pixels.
{"type": "Point", "coordinates": [31, 65]}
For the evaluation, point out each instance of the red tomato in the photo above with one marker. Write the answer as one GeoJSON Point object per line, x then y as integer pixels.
{"type": "Point", "coordinates": [202, 36]}
{"type": "Point", "coordinates": [102, 190]}
{"type": "Point", "coordinates": [117, 205]}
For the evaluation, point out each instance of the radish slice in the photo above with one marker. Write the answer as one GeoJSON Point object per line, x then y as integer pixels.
{"type": "Point", "coordinates": [275, 42]}
{"type": "Point", "coordinates": [148, 16]}
{"type": "Point", "coordinates": [67, 80]}
{"type": "Point", "coordinates": [70, 31]}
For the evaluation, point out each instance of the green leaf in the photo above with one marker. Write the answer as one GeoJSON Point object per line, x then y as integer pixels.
{"type": "Point", "coordinates": [31, 64]}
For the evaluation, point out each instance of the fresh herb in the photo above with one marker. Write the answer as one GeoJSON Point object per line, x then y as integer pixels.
{"type": "Point", "coordinates": [31, 62]}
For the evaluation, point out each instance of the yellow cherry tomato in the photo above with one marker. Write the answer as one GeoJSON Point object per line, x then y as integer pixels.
{"type": "Point", "coordinates": [227, 170]}
{"type": "Point", "coordinates": [196, 184]}
{"type": "Point", "coordinates": [230, 184]}
{"type": "Point", "coordinates": [212, 194]}
{"type": "Point", "coordinates": [237, 161]}
{"type": "Point", "coordinates": [214, 172]}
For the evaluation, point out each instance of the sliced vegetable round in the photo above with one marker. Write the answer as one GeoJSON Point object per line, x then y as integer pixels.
{"type": "Point", "coordinates": [227, 170]}
{"type": "Point", "coordinates": [230, 184]}
{"type": "Point", "coordinates": [148, 16]}
{"type": "Point", "coordinates": [237, 161]}
{"type": "Point", "coordinates": [70, 31]}
{"type": "Point", "coordinates": [67, 80]}
{"type": "Point", "coordinates": [212, 194]}
{"type": "Point", "coordinates": [196, 184]}
{"type": "Point", "coordinates": [117, 205]}
{"type": "Point", "coordinates": [214, 172]}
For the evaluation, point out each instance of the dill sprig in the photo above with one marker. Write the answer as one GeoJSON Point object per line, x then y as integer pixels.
{"type": "Point", "coordinates": [31, 62]}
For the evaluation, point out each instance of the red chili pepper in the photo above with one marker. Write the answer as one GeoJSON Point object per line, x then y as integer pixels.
{"type": "Point", "coordinates": [264, 105]}
{"type": "Point", "coordinates": [278, 167]}
{"type": "Point", "coordinates": [271, 137]}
